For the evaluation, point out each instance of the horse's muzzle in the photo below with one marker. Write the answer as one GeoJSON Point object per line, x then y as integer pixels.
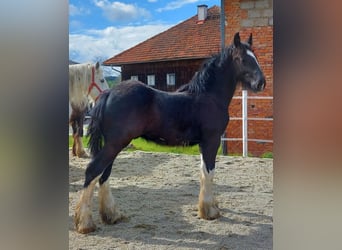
{"type": "Point", "coordinates": [260, 86]}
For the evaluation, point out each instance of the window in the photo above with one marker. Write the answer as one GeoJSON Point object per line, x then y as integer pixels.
{"type": "Point", "coordinates": [134, 78]}
{"type": "Point", "coordinates": [151, 80]}
{"type": "Point", "coordinates": [171, 79]}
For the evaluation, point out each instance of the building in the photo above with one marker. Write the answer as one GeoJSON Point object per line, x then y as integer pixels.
{"type": "Point", "coordinates": [171, 58]}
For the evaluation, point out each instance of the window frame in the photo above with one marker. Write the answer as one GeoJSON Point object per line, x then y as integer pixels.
{"type": "Point", "coordinates": [149, 77]}
{"type": "Point", "coordinates": [135, 77]}
{"type": "Point", "coordinates": [169, 77]}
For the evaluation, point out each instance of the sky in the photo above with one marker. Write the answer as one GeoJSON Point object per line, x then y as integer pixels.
{"type": "Point", "coordinates": [100, 29]}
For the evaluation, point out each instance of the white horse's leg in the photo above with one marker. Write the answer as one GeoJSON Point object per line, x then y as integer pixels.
{"type": "Point", "coordinates": [83, 214]}
{"type": "Point", "coordinates": [109, 211]}
{"type": "Point", "coordinates": [80, 152]}
{"type": "Point", "coordinates": [207, 206]}
{"type": "Point", "coordinates": [76, 122]}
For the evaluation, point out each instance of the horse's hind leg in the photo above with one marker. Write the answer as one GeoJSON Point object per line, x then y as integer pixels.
{"type": "Point", "coordinates": [83, 214]}
{"type": "Point", "coordinates": [98, 165]}
{"type": "Point", "coordinates": [73, 124]}
{"type": "Point", "coordinates": [109, 211]}
{"type": "Point", "coordinates": [80, 152]}
{"type": "Point", "coordinates": [76, 121]}
{"type": "Point", "coordinates": [207, 205]}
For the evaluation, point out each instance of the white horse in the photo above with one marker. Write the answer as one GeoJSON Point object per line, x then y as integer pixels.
{"type": "Point", "coordinates": [86, 83]}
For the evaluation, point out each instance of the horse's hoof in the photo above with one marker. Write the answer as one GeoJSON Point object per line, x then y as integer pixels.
{"type": "Point", "coordinates": [208, 211]}
{"type": "Point", "coordinates": [112, 217]}
{"type": "Point", "coordinates": [82, 155]}
{"type": "Point", "coordinates": [84, 225]}
{"type": "Point", "coordinates": [85, 230]}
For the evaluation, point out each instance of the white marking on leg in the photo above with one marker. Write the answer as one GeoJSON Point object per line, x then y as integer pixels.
{"type": "Point", "coordinates": [80, 152]}
{"type": "Point", "coordinates": [87, 195]}
{"type": "Point", "coordinates": [251, 54]}
{"type": "Point", "coordinates": [105, 195]}
{"type": "Point", "coordinates": [108, 209]}
{"type": "Point", "coordinates": [83, 213]}
{"type": "Point", "coordinates": [206, 182]}
{"type": "Point", "coordinates": [207, 207]}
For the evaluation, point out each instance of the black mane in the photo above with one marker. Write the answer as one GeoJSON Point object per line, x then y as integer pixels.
{"type": "Point", "coordinates": [205, 77]}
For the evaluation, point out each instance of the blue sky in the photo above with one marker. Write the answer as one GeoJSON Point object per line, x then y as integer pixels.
{"type": "Point", "coordinates": [100, 29]}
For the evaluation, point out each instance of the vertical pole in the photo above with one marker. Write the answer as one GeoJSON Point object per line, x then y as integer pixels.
{"type": "Point", "coordinates": [223, 38]}
{"type": "Point", "coordinates": [222, 26]}
{"type": "Point", "coordinates": [244, 124]}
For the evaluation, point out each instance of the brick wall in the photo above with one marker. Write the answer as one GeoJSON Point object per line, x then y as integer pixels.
{"type": "Point", "coordinates": [256, 17]}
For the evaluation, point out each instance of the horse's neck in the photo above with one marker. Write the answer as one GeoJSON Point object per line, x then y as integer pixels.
{"type": "Point", "coordinates": [224, 88]}
{"type": "Point", "coordinates": [87, 84]}
{"type": "Point", "coordinates": [92, 95]}
{"type": "Point", "coordinates": [79, 88]}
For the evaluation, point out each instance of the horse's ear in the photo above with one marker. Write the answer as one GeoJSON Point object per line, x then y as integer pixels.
{"type": "Point", "coordinates": [97, 65]}
{"type": "Point", "coordinates": [250, 40]}
{"type": "Point", "coordinates": [237, 41]}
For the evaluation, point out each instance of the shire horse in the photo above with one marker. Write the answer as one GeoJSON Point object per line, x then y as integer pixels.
{"type": "Point", "coordinates": [196, 113]}
{"type": "Point", "coordinates": [85, 80]}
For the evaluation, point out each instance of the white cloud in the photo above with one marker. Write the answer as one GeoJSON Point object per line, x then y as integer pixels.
{"type": "Point", "coordinates": [176, 4]}
{"type": "Point", "coordinates": [110, 41]}
{"type": "Point", "coordinates": [75, 11]}
{"type": "Point", "coordinates": [118, 11]}
{"type": "Point", "coordinates": [74, 24]}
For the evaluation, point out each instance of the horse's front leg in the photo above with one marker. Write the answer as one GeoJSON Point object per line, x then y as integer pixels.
{"type": "Point", "coordinates": [207, 205]}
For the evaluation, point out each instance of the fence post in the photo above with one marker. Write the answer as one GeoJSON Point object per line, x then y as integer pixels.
{"type": "Point", "coordinates": [244, 124]}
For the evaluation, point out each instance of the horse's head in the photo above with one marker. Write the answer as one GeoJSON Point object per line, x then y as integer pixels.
{"type": "Point", "coordinates": [246, 64]}
{"type": "Point", "coordinates": [98, 83]}
{"type": "Point", "coordinates": [99, 79]}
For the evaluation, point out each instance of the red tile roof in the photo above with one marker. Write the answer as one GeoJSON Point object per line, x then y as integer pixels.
{"type": "Point", "coordinates": [187, 40]}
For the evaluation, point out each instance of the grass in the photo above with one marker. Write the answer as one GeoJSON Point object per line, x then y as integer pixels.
{"type": "Point", "coordinates": [267, 155]}
{"type": "Point", "coordinates": [143, 145]}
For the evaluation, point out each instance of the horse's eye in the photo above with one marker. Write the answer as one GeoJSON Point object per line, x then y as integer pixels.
{"type": "Point", "coordinates": [102, 80]}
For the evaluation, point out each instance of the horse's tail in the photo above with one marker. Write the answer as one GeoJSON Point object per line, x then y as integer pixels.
{"type": "Point", "coordinates": [95, 127]}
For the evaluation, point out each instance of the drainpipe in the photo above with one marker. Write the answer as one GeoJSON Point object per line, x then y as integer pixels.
{"type": "Point", "coordinates": [222, 31]}
{"type": "Point", "coordinates": [222, 25]}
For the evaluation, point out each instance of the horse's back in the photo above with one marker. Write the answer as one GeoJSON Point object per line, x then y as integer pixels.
{"type": "Point", "coordinates": [129, 108]}
{"type": "Point", "coordinates": [129, 95]}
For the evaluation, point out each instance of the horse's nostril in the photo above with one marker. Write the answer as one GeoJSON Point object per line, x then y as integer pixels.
{"type": "Point", "coordinates": [261, 85]}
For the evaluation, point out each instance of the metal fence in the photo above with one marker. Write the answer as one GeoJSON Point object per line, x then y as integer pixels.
{"type": "Point", "coordinates": [245, 120]}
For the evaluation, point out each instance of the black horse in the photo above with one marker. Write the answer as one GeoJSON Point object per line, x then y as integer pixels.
{"type": "Point", "coordinates": [194, 114]}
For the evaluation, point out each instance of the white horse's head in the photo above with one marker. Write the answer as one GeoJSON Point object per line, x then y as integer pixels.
{"type": "Point", "coordinates": [98, 82]}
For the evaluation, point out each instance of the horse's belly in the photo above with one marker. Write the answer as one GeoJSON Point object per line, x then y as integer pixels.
{"type": "Point", "coordinates": [175, 138]}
